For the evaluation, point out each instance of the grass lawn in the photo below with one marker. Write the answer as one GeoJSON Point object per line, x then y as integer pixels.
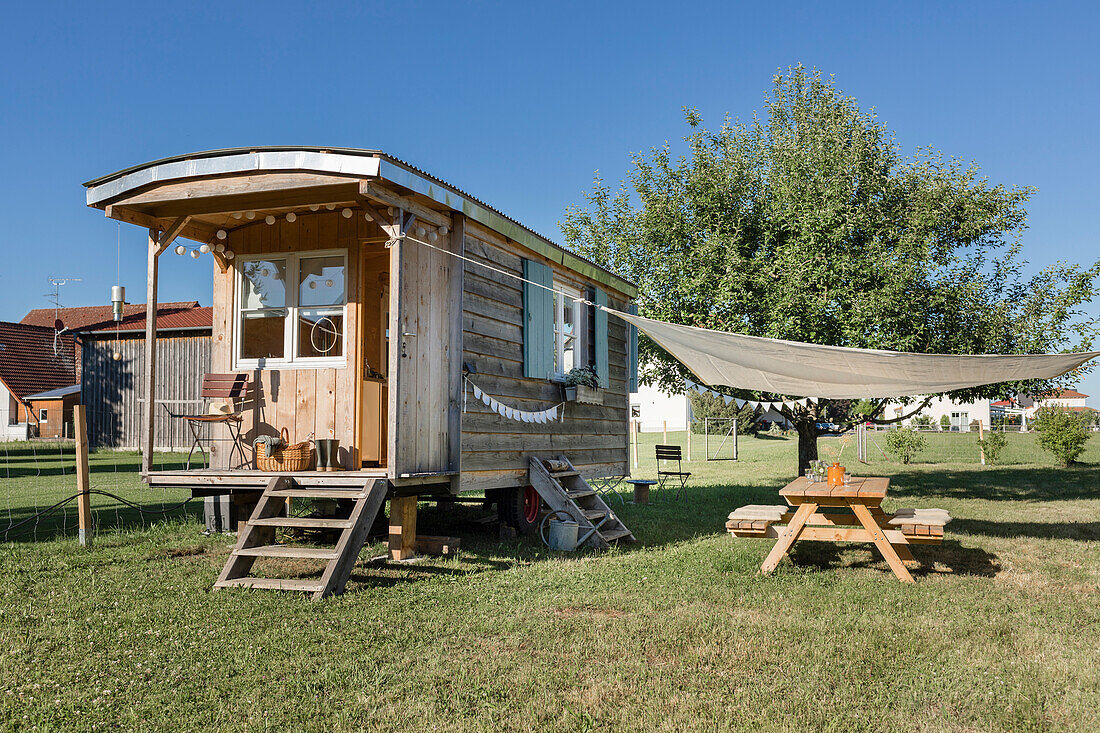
{"type": "Point", "coordinates": [1000, 632]}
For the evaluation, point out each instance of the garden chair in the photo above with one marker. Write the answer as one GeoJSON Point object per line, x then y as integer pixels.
{"type": "Point", "coordinates": [608, 486]}
{"type": "Point", "coordinates": [226, 397]}
{"type": "Point", "coordinates": [666, 477]}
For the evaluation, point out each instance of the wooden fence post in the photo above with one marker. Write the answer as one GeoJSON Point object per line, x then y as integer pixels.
{"type": "Point", "coordinates": [636, 424]}
{"type": "Point", "coordinates": [689, 441]}
{"type": "Point", "coordinates": [981, 437]}
{"type": "Point", "coordinates": [664, 432]}
{"type": "Point", "coordinates": [83, 477]}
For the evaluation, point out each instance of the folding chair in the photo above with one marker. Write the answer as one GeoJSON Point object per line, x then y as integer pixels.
{"type": "Point", "coordinates": [667, 479]}
{"type": "Point", "coordinates": [236, 391]}
{"type": "Point", "coordinates": [608, 486]}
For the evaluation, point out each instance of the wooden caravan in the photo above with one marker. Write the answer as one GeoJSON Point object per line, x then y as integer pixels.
{"type": "Point", "coordinates": [366, 296]}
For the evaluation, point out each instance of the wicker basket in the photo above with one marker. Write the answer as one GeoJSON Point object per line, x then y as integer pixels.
{"type": "Point", "coordinates": [297, 457]}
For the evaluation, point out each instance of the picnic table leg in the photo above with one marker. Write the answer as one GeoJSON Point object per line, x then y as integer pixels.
{"type": "Point", "coordinates": [879, 538]}
{"type": "Point", "coordinates": [902, 548]}
{"type": "Point", "coordinates": [783, 544]}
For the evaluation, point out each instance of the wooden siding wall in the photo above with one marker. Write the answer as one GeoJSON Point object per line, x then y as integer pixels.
{"type": "Point", "coordinates": [420, 401]}
{"type": "Point", "coordinates": [321, 402]}
{"type": "Point", "coordinates": [495, 449]}
{"type": "Point", "coordinates": [113, 391]}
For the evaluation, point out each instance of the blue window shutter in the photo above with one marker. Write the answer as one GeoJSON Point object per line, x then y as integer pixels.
{"type": "Point", "coordinates": [601, 339]}
{"type": "Point", "coordinates": [632, 351]}
{"type": "Point", "coordinates": [538, 321]}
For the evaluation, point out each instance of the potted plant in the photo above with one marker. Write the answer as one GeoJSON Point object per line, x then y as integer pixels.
{"type": "Point", "coordinates": [582, 384]}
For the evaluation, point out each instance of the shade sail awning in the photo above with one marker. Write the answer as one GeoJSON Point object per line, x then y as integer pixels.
{"type": "Point", "coordinates": [836, 372]}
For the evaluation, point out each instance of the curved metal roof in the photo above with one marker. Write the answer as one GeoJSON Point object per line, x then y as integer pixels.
{"type": "Point", "coordinates": [344, 161]}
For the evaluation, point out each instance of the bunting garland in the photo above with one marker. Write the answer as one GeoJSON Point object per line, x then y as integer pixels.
{"type": "Point", "coordinates": [754, 404]}
{"type": "Point", "coordinates": [541, 417]}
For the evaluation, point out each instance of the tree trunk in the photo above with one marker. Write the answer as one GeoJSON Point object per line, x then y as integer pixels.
{"type": "Point", "coordinates": [807, 441]}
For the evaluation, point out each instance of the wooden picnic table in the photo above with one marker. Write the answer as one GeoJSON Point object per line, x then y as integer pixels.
{"type": "Point", "coordinates": [867, 522]}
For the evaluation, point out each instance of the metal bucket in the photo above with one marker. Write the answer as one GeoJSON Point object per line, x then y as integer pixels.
{"type": "Point", "coordinates": [563, 535]}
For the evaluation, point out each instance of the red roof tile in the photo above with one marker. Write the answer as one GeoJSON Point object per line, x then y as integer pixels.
{"type": "Point", "coordinates": [1069, 394]}
{"type": "Point", "coordinates": [28, 364]}
{"type": "Point", "coordinates": [88, 319]}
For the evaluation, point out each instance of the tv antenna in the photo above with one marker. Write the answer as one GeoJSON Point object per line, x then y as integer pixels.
{"type": "Point", "coordinates": [55, 297]}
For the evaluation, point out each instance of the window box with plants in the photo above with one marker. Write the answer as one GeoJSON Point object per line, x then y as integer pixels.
{"type": "Point", "coordinates": [582, 384]}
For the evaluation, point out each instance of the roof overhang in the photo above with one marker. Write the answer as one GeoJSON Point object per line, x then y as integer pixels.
{"type": "Point", "coordinates": [274, 178]}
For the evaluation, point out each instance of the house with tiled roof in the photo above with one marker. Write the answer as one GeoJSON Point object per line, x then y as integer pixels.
{"type": "Point", "coordinates": [111, 362]}
{"type": "Point", "coordinates": [33, 359]}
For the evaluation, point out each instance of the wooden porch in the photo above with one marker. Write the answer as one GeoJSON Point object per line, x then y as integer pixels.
{"type": "Point", "coordinates": [220, 481]}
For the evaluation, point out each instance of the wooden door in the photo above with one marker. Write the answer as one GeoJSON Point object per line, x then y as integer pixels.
{"type": "Point", "coordinates": [374, 362]}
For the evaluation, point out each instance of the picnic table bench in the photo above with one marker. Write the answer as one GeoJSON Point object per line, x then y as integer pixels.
{"type": "Point", "coordinates": [846, 513]}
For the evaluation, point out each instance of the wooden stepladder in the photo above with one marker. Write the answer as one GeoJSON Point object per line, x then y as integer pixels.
{"type": "Point", "coordinates": [561, 486]}
{"type": "Point", "coordinates": [257, 538]}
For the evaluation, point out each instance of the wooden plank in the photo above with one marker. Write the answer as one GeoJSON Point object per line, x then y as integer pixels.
{"type": "Point", "coordinates": [788, 538]}
{"type": "Point", "coordinates": [402, 538]}
{"type": "Point", "coordinates": [83, 477]}
{"type": "Point", "coordinates": [385, 196]}
{"type": "Point", "coordinates": [352, 540]}
{"type": "Point", "coordinates": [882, 543]}
{"type": "Point", "coordinates": [238, 565]}
{"type": "Point", "coordinates": [150, 353]}
{"type": "Point", "coordinates": [305, 409]}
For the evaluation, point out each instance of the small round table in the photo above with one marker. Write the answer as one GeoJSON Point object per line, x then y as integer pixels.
{"type": "Point", "coordinates": [641, 489]}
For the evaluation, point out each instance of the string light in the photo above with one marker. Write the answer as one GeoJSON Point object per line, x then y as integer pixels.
{"type": "Point", "coordinates": [444, 230]}
{"type": "Point", "coordinates": [367, 216]}
{"type": "Point", "coordinates": [269, 219]}
{"type": "Point", "coordinates": [219, 247]}
{"type": "Point", "coordinates": [314, 207]}
{"type": "Point", "coordinates": [330, 207]}
{"type": "Point", "coordinates": [291, 217]}
{"type": "Point", "coordinates": [222, 234]}
{"type": "Point", "coordinates": [205, 248]}
{"type": "Point", "coordinates": [421, 231]}
{"type": "Point", "coordinates": [229, 254]}
{"type": "Point", "coordinates": [432, 236]}
{"type": "Point", "coordinates": [181, 250]}
{"type": "Point", "coordinates": [250, 215]}
{"type": "Point", "coordinates": [237, 215]}
{"type": "Point", "coordinates": [195, 254]}
{"type": "Point", "coordinates": [346, 213]}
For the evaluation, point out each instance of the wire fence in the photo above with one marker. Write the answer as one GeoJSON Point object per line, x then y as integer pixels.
{"type": "Point", "coordinates": [39, 491]}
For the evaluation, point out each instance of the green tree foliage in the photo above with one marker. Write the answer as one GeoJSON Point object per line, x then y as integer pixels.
{"type": "Point", "coordinates": [1061, 432]}
{"type": "Point", "coordinates": [809, 223]}
{"type": "Point", "coordinates": [905, 444]}
{"type": "Point", "coordinates": [993, 444]}
{"type": "Point", "coordinates": [945, 423]}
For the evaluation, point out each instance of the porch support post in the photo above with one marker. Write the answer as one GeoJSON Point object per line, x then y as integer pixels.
{"type": "Point", "coordinates": [402, 543]}
{"type": "Point", "coordinates": [150, 353]}
{"type": "Point", "coordinates": [157, 245]}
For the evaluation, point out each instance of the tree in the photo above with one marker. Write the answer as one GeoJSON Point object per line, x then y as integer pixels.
{"type": "Point", "coordinates": [808, 223]}
{"type": "Point", "coordinates": [1061, 432]}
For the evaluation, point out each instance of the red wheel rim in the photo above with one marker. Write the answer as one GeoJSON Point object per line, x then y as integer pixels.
{"type": "Point", "coordinates": [532, 503]}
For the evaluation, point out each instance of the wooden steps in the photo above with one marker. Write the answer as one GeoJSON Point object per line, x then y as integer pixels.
{"type": "Point", "coordinates": [302, 522]}
{"type": "Point", "coordinates": [562, 488]}
{"type": "Point", "coordinates": [306, 586]}
{"type": "Point", "coordinates": [303, 553]}
{"type": "Point", "coordinates": [256, 538]}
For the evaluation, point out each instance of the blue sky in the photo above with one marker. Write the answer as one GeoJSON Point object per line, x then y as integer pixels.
{"type": "Point", "coordinates": [518, 103]}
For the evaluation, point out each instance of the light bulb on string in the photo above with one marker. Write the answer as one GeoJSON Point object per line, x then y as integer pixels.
{"type": "Point", "coordinates": [219, 247]}
{"type": "Point", "coordinates": [432, 236]}
{"type": "Point", "coordinates": [330, 207]}
{"type": "Point", "coordinates": [221, 234]}
{"type": "Point", "coordinates": [229, 254]}
{"type": "Point", "coordinates": [421, 231]}
{"type": "Point", "coordinates": [291, 217]}
{"type": "Point", "coordinates": [195, 254]}
{"type": "Point", "coordinates": [444, 230]}
{"type": "Point", "coordinates": [204, 248]}
{"type": "Point", "coordinates": [237, 215]}
{"type": "Point", "coordinates": [181, 250]}
{"type": "Point", "coordinates": [314, 207]}
{"type": "Point", "coordinates": [116, 356]}
{"type": "Point", "coordinates": [269, 219]}
{"type": "Point", "coordinates": [250, 215]}
{"type": "Point", "coordinates": [346, 213]}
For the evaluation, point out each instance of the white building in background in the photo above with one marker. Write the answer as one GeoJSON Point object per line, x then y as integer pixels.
{"type": "Point", "coordinates": [964, 416]}
{"type": "Point", "coordinates": [656, 410]}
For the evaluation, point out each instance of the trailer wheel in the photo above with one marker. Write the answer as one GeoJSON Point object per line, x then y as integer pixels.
{"type": "Point", "coordinates": [521, 508]}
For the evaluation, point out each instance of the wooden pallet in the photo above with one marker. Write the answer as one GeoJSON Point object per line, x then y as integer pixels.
{"type": "Point", "coordinates": [257, 537]}
{"type": "Point", "coordinates": [564, 489]}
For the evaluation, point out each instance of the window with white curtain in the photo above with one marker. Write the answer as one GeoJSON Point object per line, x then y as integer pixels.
{"type": "Point", "coordinates": [567, 328]}
{"type": "Point", "coordinates": [290, 309]}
